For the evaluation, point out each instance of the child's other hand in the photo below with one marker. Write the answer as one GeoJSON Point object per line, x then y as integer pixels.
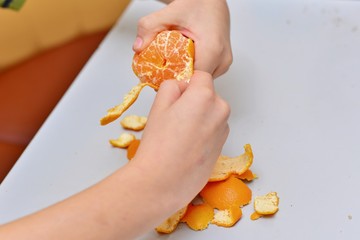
{"type": "Point", "coordinates": [185, 133]}
{"type": "Point", "coordinates": [207, 22]}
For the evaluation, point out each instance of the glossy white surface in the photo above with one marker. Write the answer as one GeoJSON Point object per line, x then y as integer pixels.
{"type": "Point", "coordinates": [294, 91]}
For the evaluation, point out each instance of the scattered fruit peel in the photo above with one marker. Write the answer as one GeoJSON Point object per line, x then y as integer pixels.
{"type": "Point", "coordinates": [227, 217]}
{"type": "Point", "coordinates": [248, 175]}
{"type": "Point", "coordinates": [132, 148]}
{"type": "Point", "coordinates": [123, 141]}
{"type": "Point", "coordinates": [255, 216]}
{"type": "Point", "coordinates": [115, 112]}
{"type": "Point", "coordinates": [134, 122]}
{"type": "Point", "coordinates": [198, 217]}
{"type": "Point", "coordinates": [170, 224]}
{"type": "Point", "coordinates": [267, 204]}
{"type": "Point", "coordinates": [226, 166]}
{"type": "Point", "coordinates": [226, 194]}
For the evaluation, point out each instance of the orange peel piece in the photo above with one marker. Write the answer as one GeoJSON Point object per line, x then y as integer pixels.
{"type": "Point", "coordinates": [255, 216]}
{"type": "Point", "coordinates": [131, 150]}
{"type": "Point", "coordinates": [123, 141]}
{"type": "Point", "coordinates": [226, 194]}
{"type": "Point", "coordinates": [115, 112]}
{"type": "Point", "coordinates": [226, 166]}
{"type": "Point", "coordinates": [170, 224]}
{"type": "Point", "coordinates": [134, 122]}
{"type": "Point", "coordinates": [248, 175]}
{"type": "Point", "coordinates": [198, 217]}
{"type": "Point", "coordinates": [267, 204]}
{"type": "Point", "coordinates": [227, 217]}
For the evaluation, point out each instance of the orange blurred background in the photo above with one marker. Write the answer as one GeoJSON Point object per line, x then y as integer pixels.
{"type": "Point", "coordinates": [42, 49]}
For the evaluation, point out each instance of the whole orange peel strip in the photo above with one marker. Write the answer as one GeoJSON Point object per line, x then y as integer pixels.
{"type": "Point", "coordinates": [198, 217]}
{"type": "Point", "coordinates": [226, 166]}
{"type": "Point", "coordinates": [115, 112]}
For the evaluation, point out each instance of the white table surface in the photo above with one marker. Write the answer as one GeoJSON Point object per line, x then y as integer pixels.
{"type": "Point", "coordinates": [294, 89]}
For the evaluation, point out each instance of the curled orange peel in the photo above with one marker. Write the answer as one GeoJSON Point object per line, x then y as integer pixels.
{"type": "Point", "coordinates": [226, 166]}
{"type": "Point", "coordinates": [115, 112]}
{"type": "Point", "coordinates": [226, 194]}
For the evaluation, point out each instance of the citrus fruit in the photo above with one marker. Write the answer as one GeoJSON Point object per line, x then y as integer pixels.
{"type": "Point", "coordinates": [169, 56]}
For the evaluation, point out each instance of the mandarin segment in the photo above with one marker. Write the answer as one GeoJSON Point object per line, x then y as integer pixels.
{"type": "Point", "coordinates": [226, 166]}
{"type": "Point", "coordinates": [169, 56]}
{"type": "Point", "coordinates": [225, 194]}
{"type": "Point", "coordinates": [198, 217]}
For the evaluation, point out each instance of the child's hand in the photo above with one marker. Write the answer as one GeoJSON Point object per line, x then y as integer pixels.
{"type": "Point", "coordinates": [185, 133]}
{"type": "Point", "coordinates": [207, 22]}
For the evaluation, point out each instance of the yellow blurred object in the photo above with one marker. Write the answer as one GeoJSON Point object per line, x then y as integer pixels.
{"type": "Point", "coordinates": [43, 24]}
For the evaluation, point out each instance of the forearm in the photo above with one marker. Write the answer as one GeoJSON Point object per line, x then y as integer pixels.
{"type": "Point", "coordinates": [122, 206]}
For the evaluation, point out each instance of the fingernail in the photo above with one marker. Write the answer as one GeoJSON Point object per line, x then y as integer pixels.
{"type": "Point", "coordinates": [138, 43]}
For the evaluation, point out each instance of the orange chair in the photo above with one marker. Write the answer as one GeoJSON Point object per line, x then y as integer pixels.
{"type": "Point", "coordinates": [36, 69]}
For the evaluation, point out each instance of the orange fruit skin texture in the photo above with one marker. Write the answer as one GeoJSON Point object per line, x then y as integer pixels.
{"type": "Point", "coordinates": [169, 56]}
{"type": "Point", "coordinates": [198, 217]}
{"type": "Point", "coordinates": [248, 175]}
{"type": "Point", "coordinates": [235, 213]}
{"type": "Point", "coordinates": [225, 194]}
{"type": "Point", "coordinates": [131, 150]}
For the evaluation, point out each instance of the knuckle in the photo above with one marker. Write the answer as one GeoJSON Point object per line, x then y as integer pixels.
{"type": "Point", "coordinates": [145, 22]}
{"type": "Point", "coordinates": [206, 94]}
{"type": "Point", "coordinates": [229, 59]}
{"type": "Point", "coordinates": [218, 48]}
{"type": "Point", "coordinates": [225, 108]}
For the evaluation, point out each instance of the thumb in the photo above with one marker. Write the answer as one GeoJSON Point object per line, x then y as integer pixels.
{"type": "Point", "coordinates": [169, 92]}
{"type": "Point", "coordinates": [149, 26]}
